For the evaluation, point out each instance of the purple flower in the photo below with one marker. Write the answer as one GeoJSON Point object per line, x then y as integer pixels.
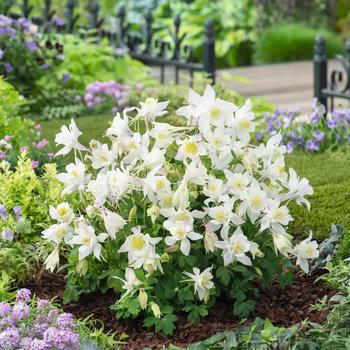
{"type": "Point", "coordinates": [332, 123]}
{"type": "Point", "coordinates": [9, 338]}
{"type": "Point", "coordinates": [3, 212]}
{"type": "Point", "coordinates": [258, 135]}
{"type": "Point", "coordinates": [58, 21]}
{"type": "Point", "coordinates": [2, 53]}
{"type": "Point", "coordinates": [41, 144]}
{"type": "Point", "coordinates": [65, 320]}
{"type": "Point", "coordinates": [20, 311]}
{"type": "Point", "coordinates": [23, 294]}
{"type": "Point", "coordinates": [35, 164]}
{"type": "Point", "coordinates": [51, 155]}
{"type": "Point", "coordinates": [8, 68]}
{"type": "Point", "coordinates": [290, 147]}
{"type": "Point", "coordinates": [37, 126]}
{"type": "Point", "coordinates": [65, 78]}
{"type": "Point", "coordinates": [5, 309]}
{"type": "Point", "coordinates": [319, 135]}
{"type": "Point", "coordinates": [32, 46]}
{"type": "Point", "coordinates": [312, 146]}
{"type": "Point", "coordinates": [7, 235]}
{"type": "Point", "coordinates": [38, 344]}
{"type": "Point", "coordinates": [42, 304]}
{"type": "Point", "coordinates": [24, 149]}
{"type": "Point", "coordinates": [337, 137]}
{"type": "Point", "coordinates": [2, 155]}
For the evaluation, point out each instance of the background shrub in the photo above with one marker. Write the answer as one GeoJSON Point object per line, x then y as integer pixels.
{"type": "Point", "coordinates": [290, 42]}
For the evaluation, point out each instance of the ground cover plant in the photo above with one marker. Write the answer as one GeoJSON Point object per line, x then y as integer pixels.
{"type": "Point", "coordinates": [160, 204]}
{"type": "Point", "coordinates": [315, 132]}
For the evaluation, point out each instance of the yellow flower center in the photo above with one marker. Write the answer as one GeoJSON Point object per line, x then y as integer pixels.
{"type": "Point", "coordinates": [160, 136]}
{"type": "Point", "coordinates": [244, 124]}
{"type": "Point", "coordinates": [191, 148]}
{"type": "Point", "coordinates": [132, 145]}
{"type": "Point", "coordinates": [238, 247]}
{"type": "Point", "coordinates": [159, 184]}
{"type": "Point", "coordinates": [103, 157]}
{"type": "Point", "coordinates": [256, 201]}
{"type": "Point", "coordinates": [60, 233]}
{"type": "Point", "coordinates": [180, 233]}
{"type": "Point", "coordinates": [212, 188]}
{"type": "Point", "coordinates": [137, 243]}
{"type": "Point", "coordinates": [75, 173]}
{"type": "Point", "coordinates": [215, 112]}
{"type": "Point", "coordinates": [150, 101]}
{"type": "Point", "coordinates": [182, 217]}
{"type": "Point", "coordinates": [238, 184]}
{"type": "Point", "coordinates": [220, 216]}
{"type": "Point", "coordinates": [309, 250]}
{"type": "Point", "coordinates": [278, 215]}
{"type": "Point", "coordinates": [167, 201]}
{"type": "Point", "coordinates": [86, 240]}
{"type": "Point", "coordinates": [62, 211]}
{"type": "Point", "coordinates": [217, 141]}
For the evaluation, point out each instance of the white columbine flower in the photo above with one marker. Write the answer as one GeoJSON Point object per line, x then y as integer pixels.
{"type": "Point", "coordinates": [202, 282]}
{"type": "Point", "coordinates": [180, 231]}
{"type": "Point", "coordinates": [68, 137]}
{"type": "Point", "coordinates": [58, 232]}
{"type": "Point", "coordinates": [63, 213]}
{"type": "Point", "coordinates": [74, 178]}
{"type": "Point", "coordinates": [53, 260]}
{"type": "Point", "coordinates": [304, 251]}
{"type": "Point", "coordinates": [113, 222]}
{"type": "Point", "coordinates": [131, 281]}
{"type": "Point", "coordinates": [139, 247]}
{"type": "Point", "coordinates": [99, 188]}
{"type": "Point", "coordinates": [88, 241]}
{"type": "Point", "coordinates": [151, 109]}
{"type": "Point", "coordinates": [192, 147]}
{"type": "Point", "coordinates": [235, 248]}
{"type": "Point", "coordinates": [298, 188]}
{"type": "Point", "coordinates": [275, 215]}
{"type": "Point", "coordinates": [101, 156]}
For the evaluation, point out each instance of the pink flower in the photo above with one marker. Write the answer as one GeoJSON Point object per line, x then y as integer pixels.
{"type": "Point", "coordinates": [41, 144]}
{"type": "Point", "coordinates": [37, 126]}
{"type": "Point", "coordinates": [7, 138]}
{"type": "Point", "coordinates": [24, 149]}
{"type": "Point", "coordinates": [2, 155]}
{"type": "Point", "coordinates": [35, 164]}
{"type": "Point", "coordinates": [51, 155]}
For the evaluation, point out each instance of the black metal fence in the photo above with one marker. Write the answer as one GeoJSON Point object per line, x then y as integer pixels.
{"type": "Point", "coordinates": [327, 87]}
{"type": "Point", "coordinates": [144, 45]}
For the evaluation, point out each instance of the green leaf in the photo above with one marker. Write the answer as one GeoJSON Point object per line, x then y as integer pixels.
{"type": "Point", "coordinates": [224, 275]}
{"type": "Point", "coordinates": [243, 308]}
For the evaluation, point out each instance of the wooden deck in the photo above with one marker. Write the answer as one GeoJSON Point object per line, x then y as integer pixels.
{"type": "Point", "coordinates": [286, 85]}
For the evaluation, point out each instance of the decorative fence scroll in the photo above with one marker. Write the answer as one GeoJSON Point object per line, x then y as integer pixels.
{"type": "Point", "coordinates": [144, 46]}
{"type": "Point", "coordinates": [337, 84]}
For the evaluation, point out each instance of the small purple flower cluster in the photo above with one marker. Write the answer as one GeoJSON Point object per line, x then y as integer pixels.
{"type": "Point", "coordinates": [312, 133]}
{"type": "Point", "coordinates": [100, 92]}
{"type": "Point", "coordinates": [7, 233]}
{"type": "Point", "coordinates": [31, 325]}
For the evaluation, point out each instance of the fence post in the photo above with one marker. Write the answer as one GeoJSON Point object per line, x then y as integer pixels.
{"type": "Point", "coordinates": [26, 8]}
{"type": "Point", "coordinates": [320, 69]}
{"type": "Point", "coordinates": [69, 15]}
{"type": "Point", "coordinates": [93, 14]}
{"type": "Point", "coordinates": [209, 50]}
{"type": "Point", "coordinates": [121, 27]}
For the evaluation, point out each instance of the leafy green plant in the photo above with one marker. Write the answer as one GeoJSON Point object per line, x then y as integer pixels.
{"type": "Point", "coordinates": [6, 292]}
{"type": "Point", "coordinates": [288, 42]}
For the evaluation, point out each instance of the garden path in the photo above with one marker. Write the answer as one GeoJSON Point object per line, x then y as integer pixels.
{"type": "Point", "coordinates": [286, 85]}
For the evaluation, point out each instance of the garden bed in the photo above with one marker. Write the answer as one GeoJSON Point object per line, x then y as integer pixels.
{"type": "Point", "coordinates": [284, 307]}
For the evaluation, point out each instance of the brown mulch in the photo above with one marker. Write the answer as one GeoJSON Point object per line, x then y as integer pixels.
{"type": "Point", "coordinates": [283, 307]}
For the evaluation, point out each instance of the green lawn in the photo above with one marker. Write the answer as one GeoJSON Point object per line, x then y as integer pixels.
{"type": "Point", "coordinates": [328, 173]}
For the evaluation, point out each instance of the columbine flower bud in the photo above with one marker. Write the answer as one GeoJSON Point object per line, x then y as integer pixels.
{"type": "Point", "coordinates": [93, 144]}
{"type": "Point", "coordinates": [90, 211]}
{"type": "Point", "coordinates": [81, 267]}
{"type": "Point", "coordinates": [153, 212]}
{"type": "Point", "coordinates": [143, 298]}
{"type": "Point", "coordinates": [165, 257]}
{"type": "Point", "coordinates": [132, 213]}
{"type": "Point", "coordinates": [172, 248]}
{"type": "Point", "coordinates": [210, 238]}
{"type": "Point", "coordinates": [155, 309]}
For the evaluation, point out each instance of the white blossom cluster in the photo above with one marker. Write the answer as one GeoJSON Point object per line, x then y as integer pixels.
{"type": "Point", "coordinates": [239, 183]}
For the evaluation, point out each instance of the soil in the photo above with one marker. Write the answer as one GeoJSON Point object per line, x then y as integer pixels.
{"type": "Point", "coordinates": [283, 307]}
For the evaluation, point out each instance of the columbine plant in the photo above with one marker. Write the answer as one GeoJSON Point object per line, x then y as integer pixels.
{"type": "Point", "coordinates": [173, 217]}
